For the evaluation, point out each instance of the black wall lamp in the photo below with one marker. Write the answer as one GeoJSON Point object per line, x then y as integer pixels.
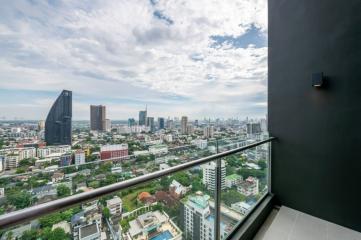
{"type": "Point", "coordinates": [318, 79]}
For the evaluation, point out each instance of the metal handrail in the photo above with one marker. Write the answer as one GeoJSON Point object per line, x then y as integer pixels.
{"type": "Point", "coordinates": [27, 214]}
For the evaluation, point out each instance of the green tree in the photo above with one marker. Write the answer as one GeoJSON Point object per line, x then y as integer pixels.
{"type": "Point", "coordinates": [63, 190]}
{"type": "Point", "coordinates": [9, 235]}
{"type": "Point", "coordinates": [165, 182]}
{"type": "Point", "coordinates": [106, 212]}
{"type": "Point", "coordinates": [56, 234]}
{"type": "Point", "coordinates": [232, 196]}
{"type": "Point", "coordinates": [183, 178]}
{"type": "Point", "coordinates": [19, 199]}
{"type": "Point", "coordinates": [29, 235]}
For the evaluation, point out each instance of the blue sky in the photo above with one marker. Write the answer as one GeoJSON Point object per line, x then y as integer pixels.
{"type": "Point", "coordinates": [200, 58]}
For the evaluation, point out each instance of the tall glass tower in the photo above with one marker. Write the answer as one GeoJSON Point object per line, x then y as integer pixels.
{"type": "Point", "coordinates": [58, 121]}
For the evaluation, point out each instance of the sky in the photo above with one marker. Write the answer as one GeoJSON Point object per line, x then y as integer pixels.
{"type": "Point", "coordinates": [203, 58]}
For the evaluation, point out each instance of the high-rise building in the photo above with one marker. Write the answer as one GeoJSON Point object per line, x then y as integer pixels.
{"type": "Point", "coordinates": [190, 129]}
{"type": "Point", "coordinates": [41, 125]}
{"type": "Point", "coordinates": [108, 125]}
{"type": "Point", "coordinates": [2, 163]}
{"type": "Point", "coordinates": [170, 124]}
{"type": "Point", "coordinates": [79, 157]}
{"type": "Point", "coordinates": [58, 121]}
{"type": "Point", "coordinates": [161, 123]}
{"type": "Point", "coordinates": [184, 123]}
{"type": "Point", "coordinates": [254, 128]}
{"type": "Point", "coordinates": [143, 117]}
{"type": "Point", "coordinates": [97, 117]}
{"type": "Point", "coordinates": [196, 219]}
{"type": "Point", "coordinates": [131, 122]}
{"type": "Point", "coordinates": [150, 123]}
{"type": "Point", "coordinates": [209, 175]}
{"type": "Point", "coordinates": [208, 132]}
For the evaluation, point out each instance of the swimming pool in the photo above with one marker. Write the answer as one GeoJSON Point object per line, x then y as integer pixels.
{"type": "Point", "coordinates": [163, 236]}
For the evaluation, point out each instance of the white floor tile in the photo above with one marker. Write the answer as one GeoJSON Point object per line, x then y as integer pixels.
{"type": "Point", "coordinates": [290, 224]}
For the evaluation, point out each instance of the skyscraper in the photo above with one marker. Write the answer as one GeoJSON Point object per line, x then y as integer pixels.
{"type": "Point", "coordinates": [161, 123]}
{"type": "Point", "coordinates": [58, 121]}
{"type": "Point", "coordinates": [184, 123]}
{"type": "Point", "coordinates": [143, 117]}
{"type": "Point", "coordinates": [131, 122]}
{"type": "Point", "coordinates": [208, 132]}
{"type": "Point", "coordinates": [97, 118]}
{"type": "Point", "coordinates": [150, 123]}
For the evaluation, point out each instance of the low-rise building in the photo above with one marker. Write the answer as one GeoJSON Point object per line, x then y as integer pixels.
{"type": "Point", "coordinates": [249, 186]}
{"type": "Point", "coordinates": [118, 151]}
{"type": "Point", "coordinates": [57, 177]}
{"type": "Point", "coordinates": [43, 152]}
{"type": "Point", "coordinates": [177, 190]}
{"type": "Point", "coordinates": [233, 180]}
{"type": "Point", "coordinates": [79, 157]}
{"type": "Point", "coordinates": [115, 205]}
{"type": "Point", "coordinates": [154, 224]}
{"type": "Point", "coordinates": [200, 143]}
{"type": "Point", "coordinates": [89, 232]}
{"type": "Point", "coordinates": [158, 149]}
{"type": "Point", "coordinates": [241, 207]}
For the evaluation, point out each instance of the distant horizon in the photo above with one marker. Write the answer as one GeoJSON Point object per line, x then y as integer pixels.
{"type": "Point", "coordinates": [155, 119]}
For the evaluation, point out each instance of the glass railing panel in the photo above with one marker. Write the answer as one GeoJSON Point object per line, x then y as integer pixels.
{"type": "Point", "coordinates": [245, 180]}
{"type": "Point", "coordinates": [178, 206]}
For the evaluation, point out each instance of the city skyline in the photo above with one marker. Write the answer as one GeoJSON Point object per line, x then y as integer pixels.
{"type": "Point", "coordinates": [171, 57]}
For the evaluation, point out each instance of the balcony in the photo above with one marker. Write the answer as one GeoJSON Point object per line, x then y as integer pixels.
{"type": "Point", "coordinates": [306, 186]}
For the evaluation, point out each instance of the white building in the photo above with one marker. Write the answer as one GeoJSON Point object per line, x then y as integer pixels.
{"type": "Point", "coordinates": [168, 138]}
{"type": "Point", "coordinates": [208, 132]}
{"type": "Point", "coordinates": [241, 207]}
{"type": "Point", "coordinates": [2, 163]}
{"type": "Point", "coordinates": [196, 212]}
{"type": "Point", "coordinates": [12, 161]}
{"type": "Point", "coordinates": [46, 151]}
{"type": "Point", "coordinates": [178, 190]}
{"type": "Point", "coordinates": [2, 192]}
{"type": "Point", "coordinates": [209, 175]}
{"type": "Point", "coordinates": [233, 180]}
{"type": "Point", "coordinates": [151, 222]}
{"type": "Point", "coordinates": [200, 143]}
{"type": "Point", "coordinates": [27, 153]}
{"type": "Point", "coordinates": [115, 205]}
{"type": "Point", "coordinates": [158, 149]}
{"type": "Point", "coordinates": [79, 157]}
{"type": "Point", "coordinates": [108, 125]}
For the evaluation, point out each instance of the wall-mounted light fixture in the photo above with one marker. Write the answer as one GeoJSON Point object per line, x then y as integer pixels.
{"type": "Point", "coordinates": [317, 79]}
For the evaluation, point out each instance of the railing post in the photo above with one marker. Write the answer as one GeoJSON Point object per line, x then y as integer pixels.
{"type": "Point", "coordinates": [269, 165]}
{"type": "Point", "coordinates": [217, 198]}
{"type": "Point", "coordinates": [217, 204]}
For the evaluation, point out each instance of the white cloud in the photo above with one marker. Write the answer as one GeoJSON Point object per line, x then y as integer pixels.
{"type": "Point", "coordinates": [119, 49]}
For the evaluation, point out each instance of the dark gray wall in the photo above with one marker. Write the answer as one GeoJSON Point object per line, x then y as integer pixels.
{"type": "Point", "coordinates": [316, 164]}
